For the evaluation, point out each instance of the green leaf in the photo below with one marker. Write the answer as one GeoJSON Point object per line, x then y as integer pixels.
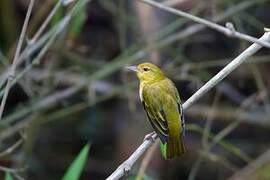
{"type": "Point", "coordinates": [57, 16]}
{"type": "Point", "coordinates": [163, 149]}
{"type": "Point", "coordinates": [77, 22]}
{"type": "Point", "coordinates": [75, 169]}
{"type": "Point", "coordinates": [8, 176]}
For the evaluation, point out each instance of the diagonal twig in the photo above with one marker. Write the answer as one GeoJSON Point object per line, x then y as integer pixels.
{"type": "Point", "coordinates": [198, 27]}
{"type": "Point", "coordinates": [11, 148]}
{"type": "Point", "coordinates": [225, 71]}
{"type": "Point", "coordinates": [45, 23]}
{"type": "Point", "coordinates": [229, 30]}
{"type": "Point", "coordinates": [48, 19]}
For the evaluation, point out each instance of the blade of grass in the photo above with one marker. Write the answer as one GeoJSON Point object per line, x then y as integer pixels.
{"type": "Point", "coordinates": [75, 169]}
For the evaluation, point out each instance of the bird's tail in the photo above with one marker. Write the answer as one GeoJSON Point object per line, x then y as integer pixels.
{"type": "Point", "coordinates": [175, 147]}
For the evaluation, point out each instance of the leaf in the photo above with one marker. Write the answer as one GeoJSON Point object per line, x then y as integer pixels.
{"type": "Point", "coordinates": [75, 169]}
{"type": "Point", "coordinates": [77, 22]}
{"type": "Point", "coordinates": [163, 149]}
{"type": "Point", "coordinates": [8, 176]}
{"type": "Point", "coordinates": [57, 16]}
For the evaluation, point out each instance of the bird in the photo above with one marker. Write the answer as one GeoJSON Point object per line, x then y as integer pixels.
{"type": "Point", "coordinates": [161, 101]}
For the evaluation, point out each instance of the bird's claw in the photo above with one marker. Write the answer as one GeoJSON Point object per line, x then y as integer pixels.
{"type": "Point", "coordinates": [149, 137]}
{"type": "Point", "coordinates": [126, 169]}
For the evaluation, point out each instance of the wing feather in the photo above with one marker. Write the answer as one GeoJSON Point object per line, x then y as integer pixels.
{"type": "Point", "coordinates": [157, 116]}
{"type": "Point", "coordinates": [158, 123]}
{"type": "Point", "coordinates": [157, 119]}
{"type": "Point", "coordinates": [180, 110]}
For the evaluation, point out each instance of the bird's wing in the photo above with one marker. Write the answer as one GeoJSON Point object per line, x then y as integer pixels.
{"type": "Point", "coordinates": [156, 117]}
{"type": "Point", "coordinates": [180, 109]}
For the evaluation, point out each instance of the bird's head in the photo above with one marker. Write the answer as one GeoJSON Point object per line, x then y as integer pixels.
{"type": "Point", "coordinates": [148, 72]}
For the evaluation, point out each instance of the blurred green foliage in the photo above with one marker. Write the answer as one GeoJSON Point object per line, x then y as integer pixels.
{"type": "Point", "coordinates": [75, 169]}
{"type": "Point", "coordinates": [8, 176]}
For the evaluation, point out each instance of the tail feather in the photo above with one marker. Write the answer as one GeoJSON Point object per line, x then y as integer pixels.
{"type": "Point", "coordinates": [175, 147]}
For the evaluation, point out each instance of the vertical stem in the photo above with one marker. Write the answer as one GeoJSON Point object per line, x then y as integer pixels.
{"type": "Point", "coordinates": [11, 73]}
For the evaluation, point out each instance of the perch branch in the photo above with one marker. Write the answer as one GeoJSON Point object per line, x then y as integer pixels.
{"type": "Point", "coordinates": [126, 166]}
{"type": "Point", "coordinates": [226, 71]}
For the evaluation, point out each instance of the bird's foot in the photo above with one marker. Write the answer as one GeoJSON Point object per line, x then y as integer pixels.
{"type": "Point", "coordinates": [126, 169]}
{"type": "Point", "coordinates": [149, 137]}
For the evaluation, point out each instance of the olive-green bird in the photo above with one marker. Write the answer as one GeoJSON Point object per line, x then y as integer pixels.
{"type": "Point", "coordinates": [162, 104]}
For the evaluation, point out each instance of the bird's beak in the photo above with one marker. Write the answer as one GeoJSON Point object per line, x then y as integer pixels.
{"type": "Point", "coordinates": [132, 68]}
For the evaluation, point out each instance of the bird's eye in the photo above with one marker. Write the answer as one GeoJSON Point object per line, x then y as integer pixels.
{"type": "Point", "coordinates": [146, 69]}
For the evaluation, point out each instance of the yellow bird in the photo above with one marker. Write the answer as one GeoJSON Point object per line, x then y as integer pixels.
{"type": "Point", "coordinates": [162, 104]}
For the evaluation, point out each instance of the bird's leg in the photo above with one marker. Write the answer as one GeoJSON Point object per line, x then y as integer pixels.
{"type": "Point", "coordinates": [149, 137]}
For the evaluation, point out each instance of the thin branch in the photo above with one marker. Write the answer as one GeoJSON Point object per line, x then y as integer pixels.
{"type": "Point", "coordinates": [48, 19]}
{"type": "Point", "coordinates": [45, 23]}
{"type": "Point", "coordinates": [173, 2]}
{"type": "Point", "coordinates": [11, 148]}
{"type": "Point", "coordinates": [16, 57]}
{"type": "Point", "coordinates": [126, 166]}
{"type": "Point", "coordinates": [216, 158]}
{"type": "Point", "coordinates": [256, 118]}
{"type": "Point", "coordinates": [229, 30]}
{"type": "Point", "coordinates": [189, 31]}
{"type": "Point", "coordinates": [49, 36]}
{"type": "Point", "coordinates": [222, 62]}
{"type": "Point", "coordinates": [135, 52]}
{"type": "Point", "coordinates": [226, 71]}
{"type": "Point", "coordinates": [14, 172]}
{"type": "Point", "coordinates": [195, 168]}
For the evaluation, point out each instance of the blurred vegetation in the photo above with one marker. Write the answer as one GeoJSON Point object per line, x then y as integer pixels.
{"type": "Point", "coordinates": [75, 169]}
{"type": "Point", "coordinates": [70, 88]}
